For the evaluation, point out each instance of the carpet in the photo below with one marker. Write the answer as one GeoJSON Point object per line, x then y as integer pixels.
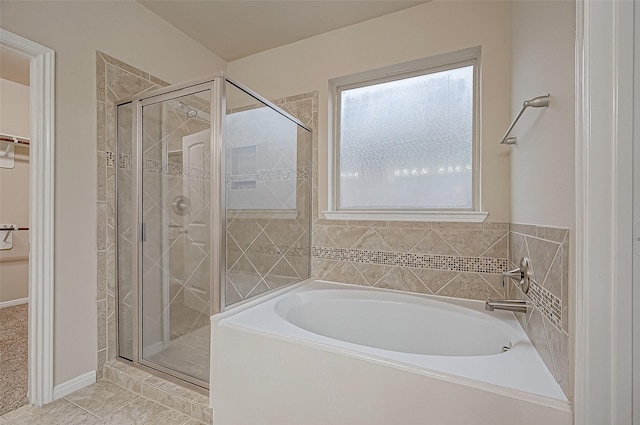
{"type": "Point", "coordinates": [13, 357]}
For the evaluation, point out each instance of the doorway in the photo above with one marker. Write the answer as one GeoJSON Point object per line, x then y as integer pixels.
{"type": "Point", "coordinates": [14, 229]}
{"type": "Point", "coordinates": [41, 215]}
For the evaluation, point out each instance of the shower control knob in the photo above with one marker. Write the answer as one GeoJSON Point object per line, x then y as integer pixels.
{"type": "Point", "coordinates": [181, 205]}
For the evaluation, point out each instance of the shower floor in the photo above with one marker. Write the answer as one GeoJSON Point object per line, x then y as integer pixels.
{"type": "Point", "coordinates": [188, 354]}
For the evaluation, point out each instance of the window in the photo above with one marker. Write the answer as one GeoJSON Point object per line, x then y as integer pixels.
{"type": "Point", "coordinates": [405, 137]}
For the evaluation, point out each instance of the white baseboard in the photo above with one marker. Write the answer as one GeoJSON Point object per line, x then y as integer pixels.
{"type": "Point", "coordinates": [11, 303]}
{"type": "Point", "coordinates": [74, 384]}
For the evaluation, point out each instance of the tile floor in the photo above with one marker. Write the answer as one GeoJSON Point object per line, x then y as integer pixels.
{"type": "Point", "coordinates": [103, 403]}
{"type": "Point", "coordinates": [188, 354]}
{"type": "Point", "coordinates": [168, 394]}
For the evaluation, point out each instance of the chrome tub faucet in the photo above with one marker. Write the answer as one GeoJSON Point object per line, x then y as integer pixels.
{"type": "Point", "coordinates": [517, 306]}
{"type": "Point", "coordinates": [522, 276]}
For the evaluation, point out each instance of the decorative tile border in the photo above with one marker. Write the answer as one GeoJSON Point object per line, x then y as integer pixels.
{"type": "Point", "coordinates": [303, 172]}
{"type": "Point", "coordinates": [270, 175]}
{"type": "Point", "coordinates": [125, 162]}
{"type": "Point", "coordinates": [420, 261]}
{"type": "Point", "coordinates": [549, 305]}
{"type": "Point", "coordinates": [153, 166]}
{"type": "Point", "coordinates": [110, 159]}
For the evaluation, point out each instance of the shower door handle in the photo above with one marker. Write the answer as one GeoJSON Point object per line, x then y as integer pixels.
{"type": "Point", "coordinates": [143, 232]}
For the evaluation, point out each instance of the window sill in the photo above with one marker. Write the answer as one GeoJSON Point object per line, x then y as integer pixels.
{"type": "Point", "coordinates": [262, 214]}
{"type": "Point", "coordinates": [439, 216]}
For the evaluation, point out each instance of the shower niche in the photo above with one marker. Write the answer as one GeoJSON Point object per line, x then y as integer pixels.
{"type": "Point", "coordinates": [213, 205]}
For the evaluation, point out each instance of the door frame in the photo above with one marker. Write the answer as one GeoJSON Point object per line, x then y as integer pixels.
{"type": "Point", "coordinates": [41, 215]}
{"type": "Point", "coordinates": [138, 103]}
{"type": "Point", "coordinates": [636, 212]}
{"type": "Point", "coordinates": [604, 222]}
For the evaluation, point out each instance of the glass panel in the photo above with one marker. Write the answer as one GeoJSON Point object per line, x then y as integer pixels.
{"type": "Point", "coordinates": [407, 144]}
{"type": "Point", "coordinates": [126, 242]}
{"type": "Point", "coordinates": [176, 253]}
{"type": "Point", "coordinates": [267, 198]}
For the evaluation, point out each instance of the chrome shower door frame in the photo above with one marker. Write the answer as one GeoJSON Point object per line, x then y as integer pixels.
{"type": "Point", "coordinates": [218, 101]}
{"type": "Point", "coordinates": [215, 86]}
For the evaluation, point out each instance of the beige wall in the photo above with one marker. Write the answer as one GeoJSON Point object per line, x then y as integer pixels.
{"type": "Point", "coordinates": [14, 192]}
{"type": "Point", "coordinates": [14, 108]}
{"type": "Point", "coordinates": [75, 30]}
{"type": "Point", "coordinates": [542, 61]}
{"type": "Point", "coordinates": [418, 32]}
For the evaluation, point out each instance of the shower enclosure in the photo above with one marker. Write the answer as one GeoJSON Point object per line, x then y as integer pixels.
{"type": "Point", "coordinates": [213, 208]}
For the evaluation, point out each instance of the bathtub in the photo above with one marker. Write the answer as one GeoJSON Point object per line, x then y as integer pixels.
{"type": "Point", "coordinates": [328, 353]}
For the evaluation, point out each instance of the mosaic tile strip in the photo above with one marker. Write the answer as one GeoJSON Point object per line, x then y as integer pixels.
{"type": "Point", "coordinates": [421, 261]}
{"type": "Point", "coordinates": [547, 303]}
{"type": "Point", "coordinates": [125, 162]}
{"type": "Point", "coordinates": [110, 159]}
{"type": "Point", "coordinates": [270, 175]}
{"type": "Point", "coordinates": [303, 172]}
{"type": "Point", "coordinates": [168, 168]}
{"type": "Point", "coordinates": [195, 173]}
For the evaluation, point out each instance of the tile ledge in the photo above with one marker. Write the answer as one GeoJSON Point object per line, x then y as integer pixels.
{"type": "Point", "coordinates": [439, 216]}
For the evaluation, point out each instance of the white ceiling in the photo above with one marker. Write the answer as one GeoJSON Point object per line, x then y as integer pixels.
{"type": "Point", "coordinates": [239, 28]}
{"type": "Point", "coordinates": [14, 66]}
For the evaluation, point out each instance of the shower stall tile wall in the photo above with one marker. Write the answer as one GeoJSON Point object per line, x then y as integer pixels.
{"type": "Point", "coordinates": [267, 233]}
{"type": "Point", "coordinates": [160, 248]}
{"type": "Point", "coordinates": [267, 244]}
{"type": "Point", "coordinates": [115, 80]}
{"type": "Point", "coordinates": [450, 259]}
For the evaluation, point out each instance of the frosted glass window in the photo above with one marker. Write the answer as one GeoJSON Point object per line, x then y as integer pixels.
{"type": "Point", "coordinates": [408, 143]}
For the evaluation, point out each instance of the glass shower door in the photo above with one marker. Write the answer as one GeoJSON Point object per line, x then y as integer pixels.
{"type": "Point", "coordinates": [175, 212]}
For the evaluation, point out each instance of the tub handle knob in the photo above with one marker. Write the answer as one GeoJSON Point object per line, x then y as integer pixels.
{"type": "Point", "coordinates": [522, 275]}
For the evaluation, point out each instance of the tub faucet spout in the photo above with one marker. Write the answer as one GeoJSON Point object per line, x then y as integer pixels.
{"type": "Point", "coordinates": [517, 306]}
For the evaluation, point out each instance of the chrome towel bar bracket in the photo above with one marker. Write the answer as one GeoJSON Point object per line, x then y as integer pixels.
{"type": "Point", "coordinates": [536, 102]}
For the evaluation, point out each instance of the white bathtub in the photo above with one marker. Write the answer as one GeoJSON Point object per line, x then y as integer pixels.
{"type": "Point", "coordinates": [327, 353]}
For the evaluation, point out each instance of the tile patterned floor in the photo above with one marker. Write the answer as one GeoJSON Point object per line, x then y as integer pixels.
{"type": "Point", "coordinates": [103, 403]}
{"type": "Point", "coordinates": [168, 394]}
{"type": "Point", "coordinates": [188, 354]}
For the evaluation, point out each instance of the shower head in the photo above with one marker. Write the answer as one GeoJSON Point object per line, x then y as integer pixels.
{"type": "Point", "coordinates": [191, 113]}
{"type": "Point", "coordinates": [537, 102]}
